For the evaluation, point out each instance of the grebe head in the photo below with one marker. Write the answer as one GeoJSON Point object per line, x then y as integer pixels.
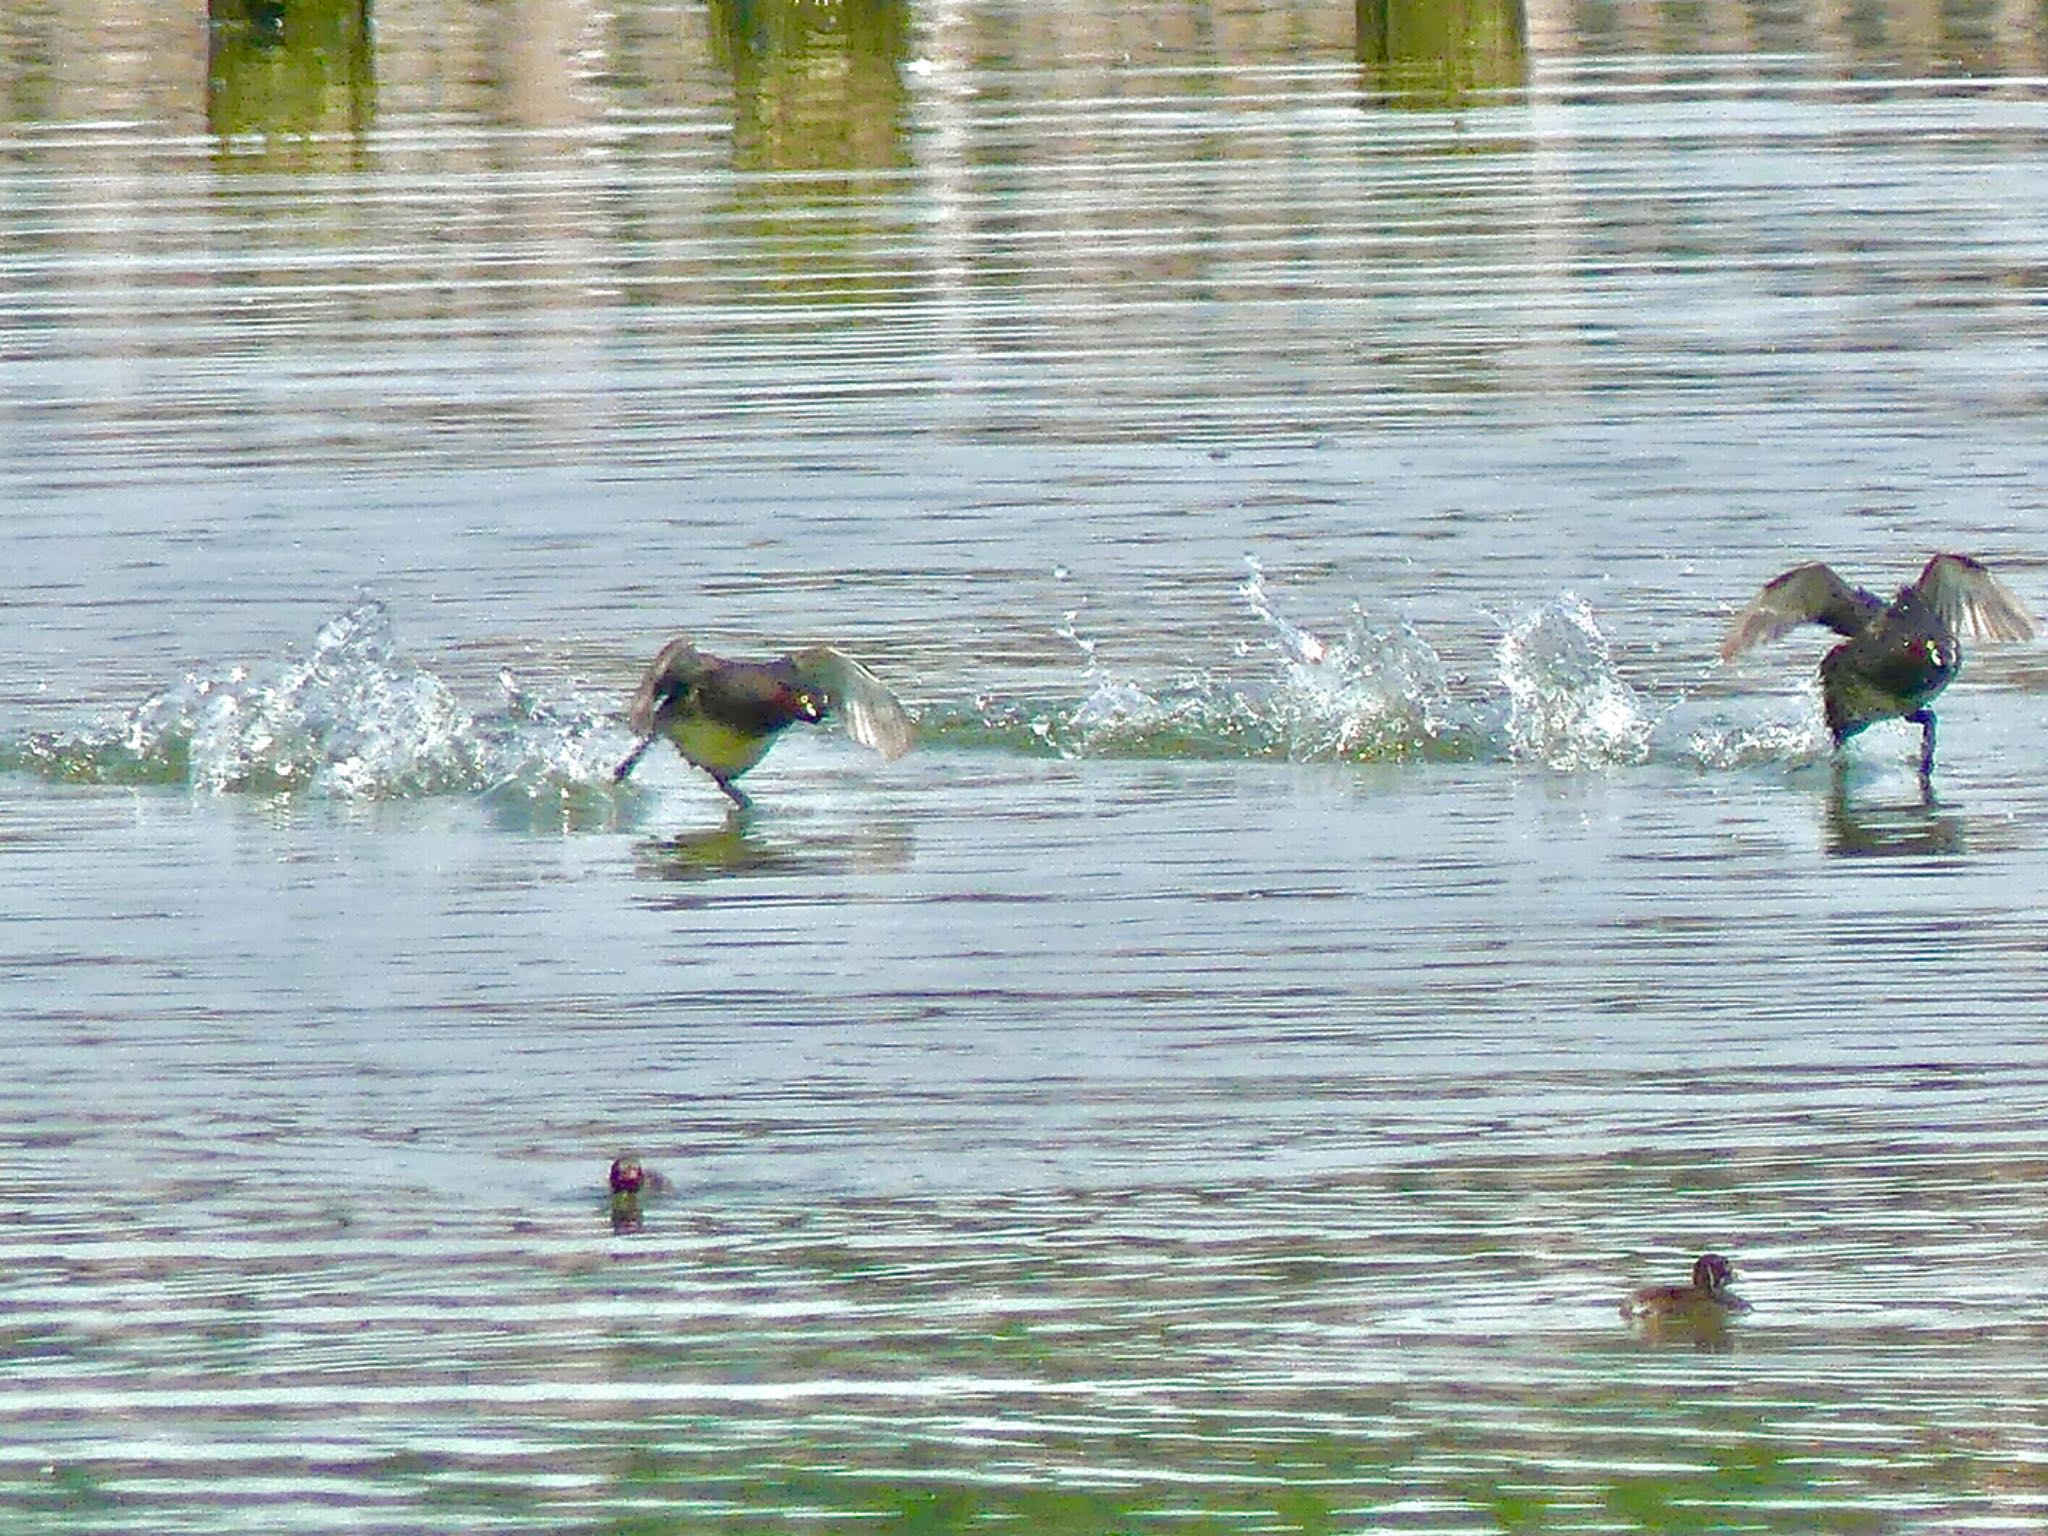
{"type": "Point", "coordinates": [1712, 1273]}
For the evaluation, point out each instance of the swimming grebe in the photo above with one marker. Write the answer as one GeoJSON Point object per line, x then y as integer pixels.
{"type": "Point", "coordinates": [1706, 1303]}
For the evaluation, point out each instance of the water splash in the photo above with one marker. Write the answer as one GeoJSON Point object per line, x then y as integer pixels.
{"type": "Point", "coordinates": [1567, 706]}
{"type": "Point", "coordinates": [1196, 716]}
{"type": "Point", "coordinates": [346, 720]}
{"type": "Point", "coordinates": [1724, 746]}
{"type": "Point", "coordinates": [549, 762]}
{"type": "Point", "coordinates": [1380, 693]}
{"type": "Point", "coordinates": [350, 720]}
{"type": "Point", "coordinates": [1296, 643]}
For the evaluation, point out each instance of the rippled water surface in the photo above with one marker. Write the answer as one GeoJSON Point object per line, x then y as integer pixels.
{"type": "Point", "coordinates": [1343, 928]}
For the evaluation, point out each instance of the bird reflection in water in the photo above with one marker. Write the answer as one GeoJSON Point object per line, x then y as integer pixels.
{"type": "Point", "coordinates": [1915, 828]}
{"type": "Point", "coordinates": [741, 846]}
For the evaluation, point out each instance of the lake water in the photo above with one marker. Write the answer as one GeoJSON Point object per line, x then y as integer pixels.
{"type": "Point", "coordinates": [1343, 928]}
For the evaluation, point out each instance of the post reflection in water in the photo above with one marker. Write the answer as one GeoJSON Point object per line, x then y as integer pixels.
{"type": "Point", "coordinates": [816, 87]}
{"type": "Point", "coordinates": [1434, 53]}
{"type": "Point", "coordinates": [289, 69]}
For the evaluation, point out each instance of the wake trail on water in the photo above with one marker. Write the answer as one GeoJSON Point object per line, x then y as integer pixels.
{"type": "Point", "coordinates": [1379, 692]}
{"type": "Point", "coordinates": [351, 719]}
